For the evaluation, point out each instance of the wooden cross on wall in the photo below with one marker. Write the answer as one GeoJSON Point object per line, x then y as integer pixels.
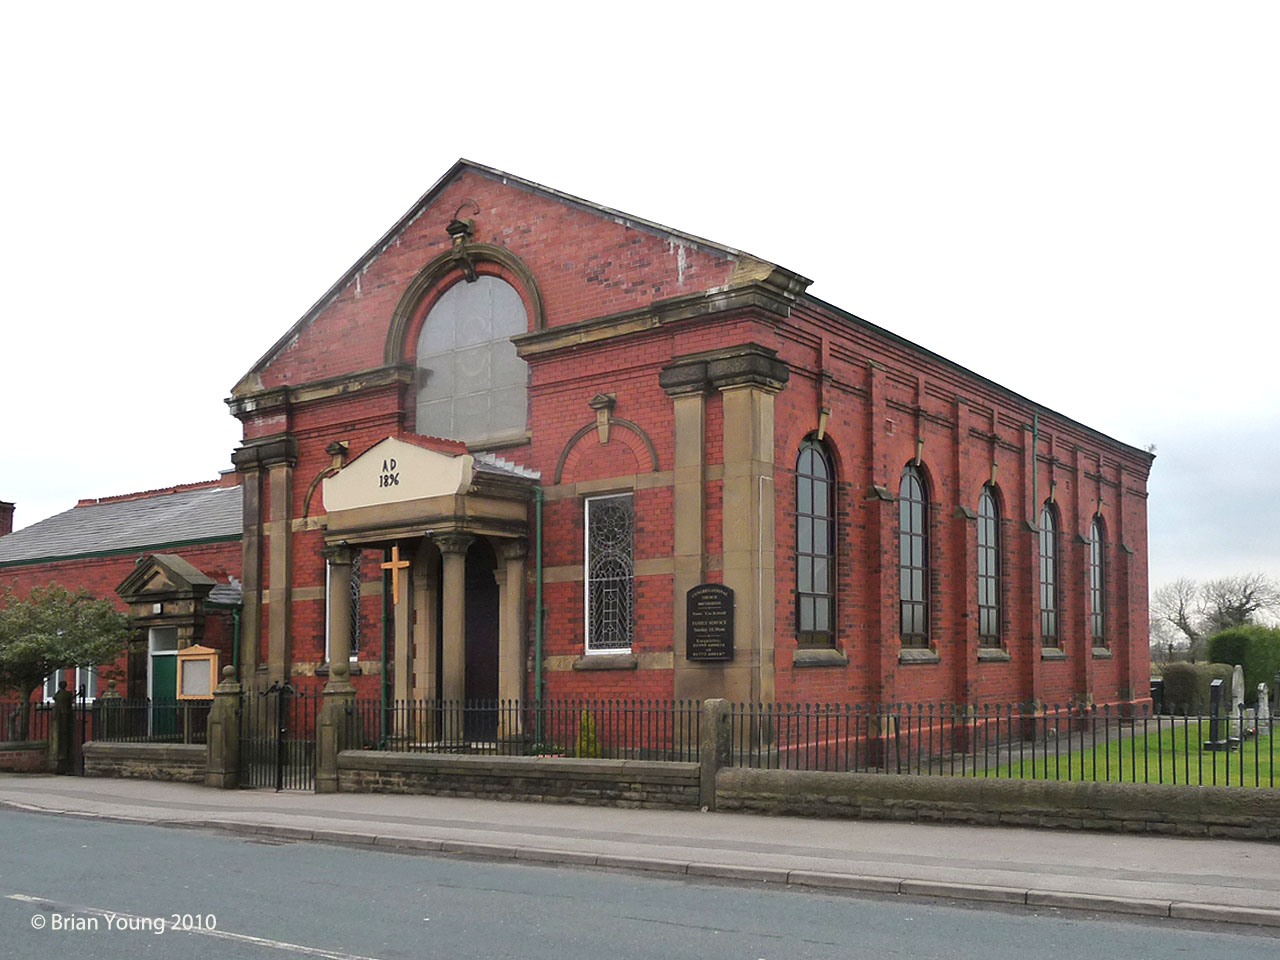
{"type": "Point", "coordinates": [395, 565]}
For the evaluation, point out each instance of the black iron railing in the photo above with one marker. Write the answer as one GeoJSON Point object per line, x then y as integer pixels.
{"type": "Point", "coordinates": [1070, 743]}
{"type": "Point", "coordinates": [37, 721]}
{"type": "Point", "coordinates": [610, 729]}
{"type": "Point", "coordinates": [116, 720]}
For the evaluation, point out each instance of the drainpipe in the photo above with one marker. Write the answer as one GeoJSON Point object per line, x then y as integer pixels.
{"type": "Point", "coordinates": [1035, 469]}
{"type": "Point", "coordinates": [538, 611]}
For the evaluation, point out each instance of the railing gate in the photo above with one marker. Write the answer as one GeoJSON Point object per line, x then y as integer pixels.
{"type": "Point", "coordinates": [278, 738]}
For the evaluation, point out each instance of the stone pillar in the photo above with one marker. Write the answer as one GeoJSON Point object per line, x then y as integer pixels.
{"type": "Point", "coordinates": [61, 743]}
{"type": "Point", "coordinates": [223, 739]}
{"type": "Point", "coordinates": [247, 461]}
{"type": "Point", "coordinates": [453, 557]}
{"type": "Point", "coordinates": [715, 749]}
{"type": "Point", "coordinates": [686, 383]}
{"type": "Point", "coordinates": [334, 727]}
{"type": "Point", "coordinates": [511, 607]}
{"type": "Point", "coordinates": [748, 378]}
{"type": "Point", "coordinates": [340, 560]}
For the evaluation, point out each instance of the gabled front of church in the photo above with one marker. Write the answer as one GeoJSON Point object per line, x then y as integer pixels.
{"type": "Point", "coordinates": [530, 447]}
{"type": "Point", "coordinates": [494, 460]}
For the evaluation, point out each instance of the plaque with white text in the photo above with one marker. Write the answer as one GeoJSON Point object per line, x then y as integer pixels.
{"type": "Point", "coordinates": [709, 622]}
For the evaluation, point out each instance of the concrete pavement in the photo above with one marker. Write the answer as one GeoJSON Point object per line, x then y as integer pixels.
{"type": "Point", "coordinates": [1195, 879]}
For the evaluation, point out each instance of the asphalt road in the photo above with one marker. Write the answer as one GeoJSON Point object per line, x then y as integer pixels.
{"type": "Point", "coordinates": [104, 890]}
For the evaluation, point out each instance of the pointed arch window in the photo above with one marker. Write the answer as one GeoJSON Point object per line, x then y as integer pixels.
{"type": "Point", "coordinates": [913, 558]}
{"type": "Point", "coordinates": [1097, 582]}
{"type": "Point", "coordinates": [815, 545]}
{"type": "Point", "coordinates": [471, 384]}
{"type": "Point", "coordinates": [988, 569]}
{"type": "Point", "coordinates": [1049, 575]}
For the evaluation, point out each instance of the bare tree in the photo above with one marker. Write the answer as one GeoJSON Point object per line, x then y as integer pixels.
{"type": "Point", "coordinates": [1231, 601]}
{"type": "Point", "coordinates": [1188, 611]}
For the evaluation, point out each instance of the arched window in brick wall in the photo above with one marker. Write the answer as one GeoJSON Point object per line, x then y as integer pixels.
{"type": "Point", "coordinates": [988, 568]}
{"type": "Point", "coordinates": [471, 385]}
{"type": "Point", "coordinates": [1098, 582]}
{"type": "Point", "coordinates": [815, 545]}
{"type": "Point", "coordinates": [1049, 575]}
{"type": "Point", "coordinates": [913, 557]}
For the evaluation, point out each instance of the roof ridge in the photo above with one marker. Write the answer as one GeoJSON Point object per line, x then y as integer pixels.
{"type": "Point", "coordinates": [155, 492]}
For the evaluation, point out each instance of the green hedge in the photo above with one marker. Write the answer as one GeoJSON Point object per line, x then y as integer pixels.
{"type": "Point", "coordinates": [1186, 685]}
{"type": "Point", "coordinates": [1256, 649]}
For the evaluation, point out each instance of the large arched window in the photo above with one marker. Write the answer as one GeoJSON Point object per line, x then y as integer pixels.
{"type": "Point", "coordinates": [1097, 582]}
{"type": "Point", "coordinates": [471, 384]}
{"type": "Point", "coordinates": [988, 569]}
{"type": "Point", "coordinates": [1049, 575]}
{"type": "Point", "coordinates": [913, 557]}
{"type": "Point", "coordinates": [815, 545]}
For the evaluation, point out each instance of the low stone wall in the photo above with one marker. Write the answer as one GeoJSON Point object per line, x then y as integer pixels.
{"type": "Point", "coordinates": [1243, 812]}
{"type": "Point", "coordinates": [24, 756]}
{"type": "Point", "coordinates": [181, 762]}
{"type": "Point", "coordinates": [620, 783]}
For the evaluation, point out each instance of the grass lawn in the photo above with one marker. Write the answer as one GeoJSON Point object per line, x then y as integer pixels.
{"type": "Point", "coordinates": [1173, 755]}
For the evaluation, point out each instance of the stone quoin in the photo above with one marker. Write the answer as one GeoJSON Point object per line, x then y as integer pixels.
{"type": "Point", "coordinates": [669, 413]}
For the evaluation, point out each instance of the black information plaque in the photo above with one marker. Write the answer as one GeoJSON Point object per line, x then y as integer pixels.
{"type": "Point", "coordinates": [709, 622]}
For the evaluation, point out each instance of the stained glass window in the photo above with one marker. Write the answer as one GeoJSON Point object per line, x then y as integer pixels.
{"type": "Point", "coordinates": [1097, 582]}
{"type": "Point", "coordinates": [1048, 575]}
{"type": "Point", "coordinates": [913, 558]}
{"type": "Point", "coordinates": [610, 573]}
{"type": "Point", "coordinates": [988, 569]}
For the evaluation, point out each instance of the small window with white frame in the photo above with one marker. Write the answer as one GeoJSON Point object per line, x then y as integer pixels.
{"type": "Point", "coordinates": [610, 573]}
{"type": "Point", "coordinates": [75, 677]}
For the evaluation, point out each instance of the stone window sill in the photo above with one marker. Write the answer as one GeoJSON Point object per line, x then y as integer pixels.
{"type": "Point", "coordinates": [819, 657]}
{"type": "Point", "coordinates": [1052, 653]}
{"type": "Point", "coordinates": [993, 655]}
{"type": "Point", "coordinates": [606, 661]}
{"type": "Point", "coordinates": [323, 669]}
{"type": "Point", "coordinates": [909, 655]}
{"type": "Point", "coordinates": [1102, 653]}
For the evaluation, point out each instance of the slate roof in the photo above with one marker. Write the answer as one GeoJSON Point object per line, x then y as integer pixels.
{"type": "Point", "coordinates": [117, 526]}
{"type": "Point", "coordinates": [492, 463]}
{"type": "Point", "coordinates": [229, 594]}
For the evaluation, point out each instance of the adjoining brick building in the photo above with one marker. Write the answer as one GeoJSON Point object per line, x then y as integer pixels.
{"type": "Point", "coordinates": [519, 394]}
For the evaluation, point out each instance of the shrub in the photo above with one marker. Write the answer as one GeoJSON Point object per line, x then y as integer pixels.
{"type": "Point", "coordinates": [1255, 648]}
{"type": "Point", "coordinates": [1186, 685]}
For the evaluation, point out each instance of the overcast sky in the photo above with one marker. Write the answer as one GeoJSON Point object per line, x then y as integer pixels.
{"type": "Point", "coordinates": [1078, 201]}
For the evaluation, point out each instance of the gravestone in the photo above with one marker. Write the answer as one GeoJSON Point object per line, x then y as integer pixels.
{"type": "Point", "coordinates": [1263, 722]}
{"type": "Point", "coordinates": [1236, 707]}
{"type": "Point", "coordinates": [1217, 723]}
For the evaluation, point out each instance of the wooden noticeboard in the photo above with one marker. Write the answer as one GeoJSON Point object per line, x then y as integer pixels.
{"type": "Point", "coordinates": [709, 622]}
{"type": "Point", "coordinates": [197, 673]}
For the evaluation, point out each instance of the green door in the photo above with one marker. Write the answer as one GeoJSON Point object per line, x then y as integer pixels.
{"type": "Point", "coordinates": [164, 695]}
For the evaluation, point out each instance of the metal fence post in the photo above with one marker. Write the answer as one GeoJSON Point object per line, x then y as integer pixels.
{"type": "Point", "coordinates": [222, 739]}
{"type": "Point", "coordinates": [714, 748]}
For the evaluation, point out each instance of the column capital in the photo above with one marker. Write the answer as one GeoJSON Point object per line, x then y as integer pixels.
{"type": "Point", "coordinates": [338, 553]}
{"type": "Point", "coordinates": [453, 542]}
{"type": "Point", "coordinates": [516, 549]}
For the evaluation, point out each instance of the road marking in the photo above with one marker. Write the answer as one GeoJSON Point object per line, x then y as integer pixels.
{"type": "Point", "coordinates": [46, 903]}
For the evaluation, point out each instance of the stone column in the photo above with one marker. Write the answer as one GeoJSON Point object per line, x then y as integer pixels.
{"type": "Point", "coordinates": [223, 768]}
{"type": "Point", "coordinates": [453, 557]}
{"type": "Point", "coordinates": [277, 457]}
{"type": "Point", "coordinates": [511, 606]}
{"type": "Point", "coordinates": [426, 584]}
{"type": "Point", "coordinates": [340, 560]}
{"type": "Point", "coordinates": [686, 384]}
{"type": "Point", "coordinates": [748, 378]}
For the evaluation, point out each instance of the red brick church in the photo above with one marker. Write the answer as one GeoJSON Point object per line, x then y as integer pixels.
{"type": "Point", "coordinates": [531, 444]}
